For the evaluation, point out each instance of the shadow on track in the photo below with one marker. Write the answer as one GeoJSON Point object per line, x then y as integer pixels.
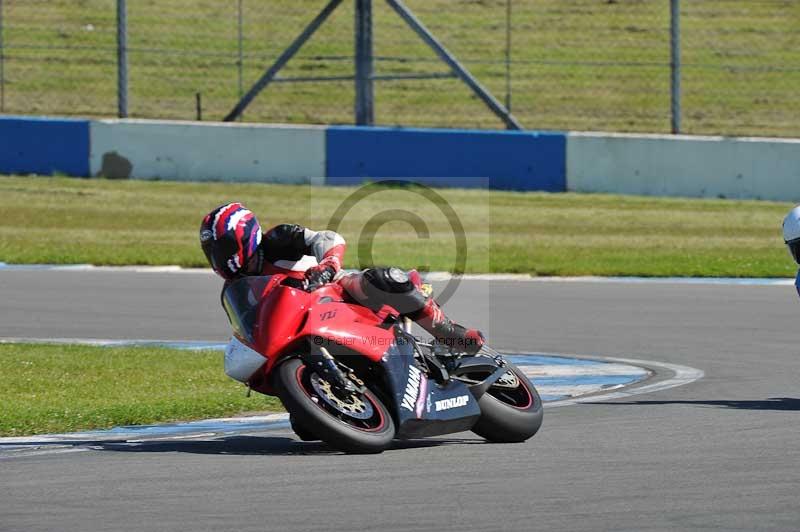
{"type": "Point", "coordinates": [257, 445]}
{"type": "Point", "coordinates": [773, 403]}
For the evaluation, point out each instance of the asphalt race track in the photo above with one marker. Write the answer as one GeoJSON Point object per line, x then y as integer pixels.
{"type": "Point", "coordinates": [721, 453]}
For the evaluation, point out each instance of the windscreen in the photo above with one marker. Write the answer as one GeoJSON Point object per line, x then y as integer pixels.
{"type": "Point", "coordinates": [240, 299]}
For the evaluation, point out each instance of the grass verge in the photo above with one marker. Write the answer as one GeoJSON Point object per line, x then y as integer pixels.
{"type": "Point", "coordinates": [104, 222]}
{"type": "Point", "coordinates": [65, 388]}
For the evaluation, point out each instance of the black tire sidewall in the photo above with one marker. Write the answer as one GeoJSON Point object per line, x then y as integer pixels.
{"type": "Point", "coordinates": [500, 422]}
{"type": "Point", "coordinates": [329, 429]}
{"type": "Point", "coordinates": [304, 433]}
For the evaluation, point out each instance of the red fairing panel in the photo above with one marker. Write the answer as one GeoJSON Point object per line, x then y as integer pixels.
{"type": "Point", "coordinates": [280, 315]}
{"type": "Point", "coordinates": [348, 325]}
{"type": "Point", "coordinates": [287, 317]}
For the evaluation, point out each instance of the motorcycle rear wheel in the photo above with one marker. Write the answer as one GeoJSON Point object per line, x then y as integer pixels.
{"type": "Point", "coordinates": [347, 431]}
{"type": "Point", "coordinates": [510, 414]}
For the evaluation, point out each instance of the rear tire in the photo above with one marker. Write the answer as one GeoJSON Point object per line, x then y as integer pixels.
{"type": "Point", "coordinates": [335, 427]}
{"type": "Point", "coordinates": [510, 416]}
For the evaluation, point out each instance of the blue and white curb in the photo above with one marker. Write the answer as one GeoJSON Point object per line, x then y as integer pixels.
{"type": "Point", "coordinates": [90, 440]}
{"type": "Point", "coordinates": [681, 375]}
{"type": "Point", "coordinates": [556, 377]}
{"type": "Point", "coordinates": [561, 380]}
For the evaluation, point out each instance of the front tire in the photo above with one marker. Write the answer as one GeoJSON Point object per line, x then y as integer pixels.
{"type": "Point", "coordinates": [361, 424]}
{"type": "Point", "coordinates": [511, 411]}
{"type": "Point", "coordinates": [302, 432]}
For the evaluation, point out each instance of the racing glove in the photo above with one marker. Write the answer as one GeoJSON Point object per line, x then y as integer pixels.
{"type": "Point", "coordinates": [321, 274]}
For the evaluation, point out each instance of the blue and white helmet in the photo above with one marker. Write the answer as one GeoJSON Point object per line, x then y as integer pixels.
{"type": "Point", "coordinates": [791, 232]}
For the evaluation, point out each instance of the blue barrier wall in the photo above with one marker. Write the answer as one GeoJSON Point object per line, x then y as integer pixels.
{"type": "Point", "coordinates": [510, 160]}
{"type": "Point", "coordinates": [672, 165]}
{"type": "Point", "coordinates": [44, 146]}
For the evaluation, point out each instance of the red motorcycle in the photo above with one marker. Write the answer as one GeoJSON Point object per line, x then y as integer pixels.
{"type": "Point", "coordinates": [356, 378]}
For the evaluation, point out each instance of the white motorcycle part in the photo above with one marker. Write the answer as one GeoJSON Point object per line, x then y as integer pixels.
{"type": "Point", "coordinates": [305, 262]}
{"type": "Point", "coordinates": [241, 361]}
{"type": "Point", "coordinates": [791, 233]}
{"type": "Point", "coordinates": [791, 225]}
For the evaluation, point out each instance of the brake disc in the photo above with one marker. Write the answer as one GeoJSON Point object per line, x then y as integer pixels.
{"type": "Point", "coordinates": [352, 405]}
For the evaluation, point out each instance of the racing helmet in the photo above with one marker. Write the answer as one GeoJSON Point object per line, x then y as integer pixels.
{"type": "Point", "coordinates": [230, 236]}
{"type": "Point", "coordinates": [791, 232]}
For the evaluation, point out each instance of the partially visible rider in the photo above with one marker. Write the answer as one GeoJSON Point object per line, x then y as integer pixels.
{"type": "Point", "coordinates": [791, 236]}
{"type": "Point", "coordinates": [235, 246]}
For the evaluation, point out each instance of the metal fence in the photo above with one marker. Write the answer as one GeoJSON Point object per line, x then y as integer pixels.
{"type": "Point", "coordinates": [732, 68]}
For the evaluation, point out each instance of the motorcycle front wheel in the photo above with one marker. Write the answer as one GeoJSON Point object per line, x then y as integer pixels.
{"type": "Point", "coordinates": [511, 410]}
{"type": "Point", "coordinates": [354, 423]}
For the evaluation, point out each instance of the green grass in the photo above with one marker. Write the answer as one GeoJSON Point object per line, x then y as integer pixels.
{"type": "Point", "coordinates": [64, 221]}
{"type": "Point", "coordinates": [576, 64]}
{"type": "Point", "coordinates": [58, 388]}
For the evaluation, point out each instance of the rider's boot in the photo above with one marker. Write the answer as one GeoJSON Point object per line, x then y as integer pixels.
{"type": "Point", "coordinates": [456, 337]}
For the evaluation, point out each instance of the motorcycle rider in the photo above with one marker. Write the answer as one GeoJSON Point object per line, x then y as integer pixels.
{"type": "Point", "coordinates": [791, 237]}
{"type": "Point", "coordinates": [235, 246]}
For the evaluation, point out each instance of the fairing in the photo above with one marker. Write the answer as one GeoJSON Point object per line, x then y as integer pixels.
{"type": "Point", "coordinates": [274, 317]}
{"type": "Point", "coordinates": [422, 406]}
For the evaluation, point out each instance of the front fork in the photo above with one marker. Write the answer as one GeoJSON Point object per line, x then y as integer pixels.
{"type": "Point", "coordinates": [319, 360]}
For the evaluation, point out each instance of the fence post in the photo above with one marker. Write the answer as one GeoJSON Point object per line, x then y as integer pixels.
{"type": "Point", "coordinates": [241, 49]}
{"type": "Point", "coordinates": [675, 65]}
{"type": "Point", "coordinates": [2, 65]}
{"type": "Point", "coordinates": [508, 55]}
{"type": "Point", "coordinates": [122, 59]}
{"type": "Point", "coordinates": [365, 114]}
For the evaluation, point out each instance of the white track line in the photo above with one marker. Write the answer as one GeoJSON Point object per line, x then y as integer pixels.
{"type": "Point", "coordinates": [46, 444]}
{"type": "Point", "coordinates": [429, 276]}
{"type": "Point", "coordinates": [681, 375]}
{"type": "Point", "coordinates": [594, 370]}
{"type": "Point", "coordinates": [19, 453]}
{"type": "Point", "coordinates": [99, 342]}
{"type": "Point", "coordinates": [727, 281]}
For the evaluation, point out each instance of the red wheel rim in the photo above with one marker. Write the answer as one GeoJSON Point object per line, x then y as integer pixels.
{"type": "Point", "coordinates": [528, 395]}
